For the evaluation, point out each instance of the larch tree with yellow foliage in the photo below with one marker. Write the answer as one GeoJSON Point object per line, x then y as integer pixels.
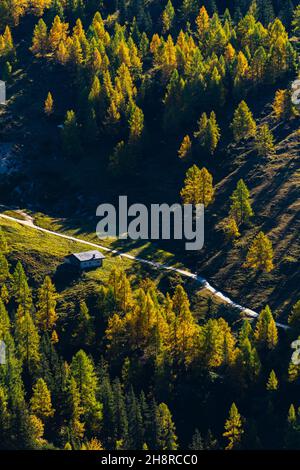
{"type": "Point", "coordinates": [93, 444]}
{"type": "Point", "coordinates": [40, 402]}
{"type": "Point", "coordinates": [40, 43]}
{"type": "Point", "coordinates": [260, 254]}
{"type": "Point", "coordinates": [266, 334]}
{"type": "Point", "coordinates": [49, 105]}
{"type": "Point", "coordinates": [198, 187]}
{"type": "Point", "coordinates": [233, 428]}
{"type": "Point", "coordinates": [241, 209]}
{"type": "Point", "coordinates": [264, 141]}
{"type": "Point", "coordinates": [282, 105]}
{"type": "Point", "coordinates": [167, 17]}
{"type": "Point", "coordinates": [27, 341]}
{"type": "Point", "coordinates": [243, 124]}
{"type": "Point", "coordinates": [46, 315]}
{"type": "Point", "coordinates": [185, 147]}
{"type": "Point", "coordinates": [272, 383]}
{"type": "Point", "coordinates": [202, 22]}
{"type": "Point", "coordinates": [230, 229]}
{"type": "Point", "coordinates": [136, 123]}
{"type": "Point", "coordinates": [58, 33]}
{"type": "Point", "coordinates": [39, 6]}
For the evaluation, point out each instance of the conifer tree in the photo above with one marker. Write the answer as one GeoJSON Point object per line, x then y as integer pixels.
{"type": "Point", "coordinates": [4, 269]}
{"type": "Point", "coordinates": [296, 21]}
{"type": "Point", "coordinates": [75, 53]}
{"type": "Point", "coordinates": [202, 22]}
{"type": "Point", "coordinates": [70, 136]}
{"type": "Point", "coordinates": [40, 402]}
{"type": "Point", "coordinates": [294, 317]}
{"type": "Point", "coordinates": [208, 133]}
{"type": "Point", "coordinates": [259, 65]}
{"type": "Point", "coordinates": [198, 187]}
{"type": "Point", "coordinates": [136, 123]}
{"type": "Point", "coordinates": [46, 315]}
{"type": "Point", "coordinates": [74, 412]}
{"type": "Point", "coordinates": [213, 133]}
{"type": "Point", "coordinates": [282, 105]}
{"type": "Point", "coordinates": [84, 329]}
{"type": "Point", "coordinates": [264, 141]}
{"type": "Point", "coordinates": [4, 294]}
{"type": "Point", "coordinates": [48, 106]}
{"type": "Point", "coordinates": [185, 147]}
{"type": "Point", "coordinates": [243, 124]}
{"type": "Point", "coordinates": [201, 131]}
{"type": "Point", "coordinates": [135, 422]}
{"type": "Point", "coordinates": [166, 437]}
{"type": "Point", "coordinates": [93, 444]}
{"type": "Point", "coordinates": [266, 333]}
{"type": "Point", "coordinates": [58, 33]}
{"type": "Point", "coordinates": [291, 415]}
{"type": "Point", "coordinates": [230, 228]}
{"type": "Point", "coordinates": [240, 209]}
{"type": "Point", "coordinates": [54, 337]}
{"type": "Point", "coordinates": [4, 420]}
{"type": "Point", "coordinates": [260, 254]}
{"type": "Point", "coordinates": [38, 6]}
{"type": "Point", "coordinates": [197, 441]}
{"type": "Point", "coordinates": [95, 92]}
{"type": "Point", "coordinates": [40, 42]}
{"type": "Point", "coordinates": [37, 430]}
{"type": "Point", "coordinates": [233, 428]}
{"type": "Point", "coordinates": [83, 371]}
{"type": "Point", "coordinates": [272, 383]}
{"type": "Point", "coordinates": [167, 17]}
{"type": "Point", "coordinates": [27, 341]}
{"type": "Point", "coordinates": [8, 42]}
{"type": "Point", "coordinates": [4, 321]}
{"type": "Point", "coordinates": [3, 243]}
{"type": "Point", "coordinates": [21, 290]}
{"type": "Point", "coordinates": [62, 54]}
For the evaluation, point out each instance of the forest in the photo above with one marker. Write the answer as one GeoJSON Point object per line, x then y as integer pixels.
{"type": "Point", "coordinates": [166, 101]}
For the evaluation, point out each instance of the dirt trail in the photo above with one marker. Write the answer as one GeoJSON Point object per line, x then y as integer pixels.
{"type": "Point", "coordinates": [204, 283]}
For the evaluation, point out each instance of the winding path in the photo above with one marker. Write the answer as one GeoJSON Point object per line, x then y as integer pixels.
{"type": "Point", "coordinates": [248, 312]}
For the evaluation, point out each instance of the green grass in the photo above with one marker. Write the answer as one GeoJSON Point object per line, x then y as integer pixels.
{"type": "Point", "coordinates": [41, 254]}
{"type": "Point", "coordinates": [14, 214]}
{"type": "Point", "coordinates": [86, 230]}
